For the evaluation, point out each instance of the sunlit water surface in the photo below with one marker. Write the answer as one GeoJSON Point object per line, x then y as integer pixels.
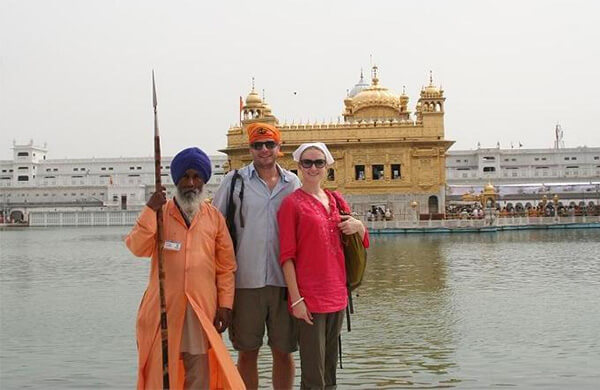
{"type": "Point", "coordinates": [508, 309]}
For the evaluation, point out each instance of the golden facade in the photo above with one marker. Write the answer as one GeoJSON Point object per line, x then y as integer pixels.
{"type": "Point", "coordinates": [384, 155]}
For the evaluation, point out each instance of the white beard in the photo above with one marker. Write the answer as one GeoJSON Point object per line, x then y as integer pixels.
{"type": "Point", "coordinates": [189, 203]}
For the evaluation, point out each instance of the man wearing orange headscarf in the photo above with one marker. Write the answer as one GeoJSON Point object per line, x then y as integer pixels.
{"type": "Point", "coordinates": [260, 293]}
{"type": "Point", "coordinates": [199, 266]}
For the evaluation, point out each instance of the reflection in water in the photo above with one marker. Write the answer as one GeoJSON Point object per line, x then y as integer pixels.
{"type": "Point", "coordinates": [470, 311]}
{"type": "Point", "coordinates": [403, 327]}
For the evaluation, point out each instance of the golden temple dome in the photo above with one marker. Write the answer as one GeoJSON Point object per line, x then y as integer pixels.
{"type": "Point", "coordinates": [375, 95]}
{"type": "Point", "coordinates": [489, 188]}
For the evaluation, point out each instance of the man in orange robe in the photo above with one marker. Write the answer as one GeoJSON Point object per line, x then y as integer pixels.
{"type": "Point", "coordinates": [199, 265]}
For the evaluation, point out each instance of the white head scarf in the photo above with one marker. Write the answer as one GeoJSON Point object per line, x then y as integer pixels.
{"type": "Point", "coordinates": [319, 145]}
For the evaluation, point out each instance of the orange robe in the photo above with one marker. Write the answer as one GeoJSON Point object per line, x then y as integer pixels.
{"type": "Point", "coordinates": [201, 272]}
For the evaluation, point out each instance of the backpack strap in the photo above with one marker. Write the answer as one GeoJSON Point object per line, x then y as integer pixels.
{"type": "Point", "coordinates": [241, 198]}
{"type": "Point", "coordinates": [230, 210]}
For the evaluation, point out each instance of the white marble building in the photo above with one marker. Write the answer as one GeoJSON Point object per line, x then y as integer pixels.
{"type": "Point", "coordinates": [525, 176]}
{"type": "Point", "coordinates": [30, 180]}
{"type": "Point", "coordinates": [522, 166]}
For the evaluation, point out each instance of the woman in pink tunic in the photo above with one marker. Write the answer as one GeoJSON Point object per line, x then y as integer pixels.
{"type": "Point", "coordinates": [312, 259]}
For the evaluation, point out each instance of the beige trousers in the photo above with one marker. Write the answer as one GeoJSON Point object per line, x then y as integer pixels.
{"type": "Point", "coordinates": [193, 352]}
{"type": "Point", "coordinates": [197, 375]}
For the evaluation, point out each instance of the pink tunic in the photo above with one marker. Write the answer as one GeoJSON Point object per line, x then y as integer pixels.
{"type": "Point", "coordinates": [309, 235]}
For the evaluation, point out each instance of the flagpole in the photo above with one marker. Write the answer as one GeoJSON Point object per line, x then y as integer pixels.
{"type": "Point", "coordinates": [164, 333]}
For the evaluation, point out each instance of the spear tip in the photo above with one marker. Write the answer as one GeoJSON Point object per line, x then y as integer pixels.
{"type": "Point", "coordinates": [154, 102]}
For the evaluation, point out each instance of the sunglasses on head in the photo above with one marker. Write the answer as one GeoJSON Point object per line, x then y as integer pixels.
{"type": "Point", "coordinates": [259, 145]}
{"type": "Point", "coordinates": [305, 163]}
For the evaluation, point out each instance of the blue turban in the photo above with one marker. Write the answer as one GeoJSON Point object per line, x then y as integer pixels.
{"type": "Point", "coordinates": [190, 158]}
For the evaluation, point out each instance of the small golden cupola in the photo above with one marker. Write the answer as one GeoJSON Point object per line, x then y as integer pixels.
{"type": "Point", "coordinates": [255, 109]}
{"type": "Point", "coordinates": [432, 98]}
{"type": "Point", "coordinates": [489, 196]}
{"type": "Point", "coordinates": [372, 103]}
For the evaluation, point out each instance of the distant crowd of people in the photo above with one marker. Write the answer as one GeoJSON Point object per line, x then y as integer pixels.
{"type": "Point", "coordinates": [464, 212]}
{"type": "Point", "coordinates": [379, 214]}
{"type": "Point", "coordinates": [549, 210]}
{"type": "Point", "coordinates": [476, 211]}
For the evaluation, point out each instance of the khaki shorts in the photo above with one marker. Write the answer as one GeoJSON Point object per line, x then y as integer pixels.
{"type": "Point", "coordinates": [255, 307]}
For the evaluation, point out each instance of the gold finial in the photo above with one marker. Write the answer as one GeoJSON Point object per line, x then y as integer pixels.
{"type": "Point", "coordinates": [404, 90]}
{"type": "Point", "coordinates": [263, 92]}
{"type": "Point", "coordinates": [430, 77]}
{"type": "Point", "coordinates": [253, 83]}
{"type": "Point", "coordinates": [375, 79]}
{"type": "Point", "coordinates": [361, 74]}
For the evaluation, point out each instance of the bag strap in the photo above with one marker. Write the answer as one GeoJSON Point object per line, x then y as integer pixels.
{"type": "Point", "coordinates": [350, 306]}
{"type": "Point", "coordinates": [338, 203]}
{"type": "Point", "coordinates": [241, 198]}
{"type": "Point", "coordinates": [340, 350]}
{"type": "Point", "coordinates": [230, 210]}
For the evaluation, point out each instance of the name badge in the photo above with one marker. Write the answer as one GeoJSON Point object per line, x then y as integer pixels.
{"type": "Point", "coordinates": [172, 245]}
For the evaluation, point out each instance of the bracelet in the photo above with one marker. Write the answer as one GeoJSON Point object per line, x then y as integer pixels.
{"type": "Point", "coordinates": [297, 302]}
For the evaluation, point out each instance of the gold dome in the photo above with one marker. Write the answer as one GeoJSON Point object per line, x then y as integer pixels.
{"type": "Point", "coordinates": [432, 89]}
{"type": "Point", "coordinates": [253, 99]}
{"type": "Point", "coordinates": [375, 95]}
{"type": "Point", "coordinates": [489, 188]}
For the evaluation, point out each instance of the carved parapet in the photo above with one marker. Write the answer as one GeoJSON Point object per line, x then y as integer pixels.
{"type": "Point", "coordinates": [421, 152]}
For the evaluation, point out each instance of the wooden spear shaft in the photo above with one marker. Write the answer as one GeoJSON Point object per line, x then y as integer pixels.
{"type": "Point", "coordinates": [164, 332]}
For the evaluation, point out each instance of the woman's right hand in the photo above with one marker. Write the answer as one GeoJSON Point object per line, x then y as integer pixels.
{"type": "Point", "coordinates": [300, 311]}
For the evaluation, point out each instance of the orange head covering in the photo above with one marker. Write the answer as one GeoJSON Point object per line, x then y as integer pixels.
{"type": "Point", "coordinates": [259, 130]}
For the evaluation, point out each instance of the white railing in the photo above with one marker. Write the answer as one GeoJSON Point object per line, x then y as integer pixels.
{"type": "Point", "coordinates": [83, 218]}
{"type": "Point", "coordinates": [128, 218]}
{"type": "Point", "coordinates": [481, 223]}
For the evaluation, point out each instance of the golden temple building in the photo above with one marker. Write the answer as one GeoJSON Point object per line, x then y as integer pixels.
{"type": "Point", "coordinates": [385, 156]}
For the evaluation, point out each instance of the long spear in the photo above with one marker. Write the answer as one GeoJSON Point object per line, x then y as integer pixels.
{"type": "Point", "coordinates": [164, 332]}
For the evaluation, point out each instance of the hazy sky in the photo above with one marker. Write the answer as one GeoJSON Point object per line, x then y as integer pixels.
{"type": "Point", "coordinates": [77, 73]}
